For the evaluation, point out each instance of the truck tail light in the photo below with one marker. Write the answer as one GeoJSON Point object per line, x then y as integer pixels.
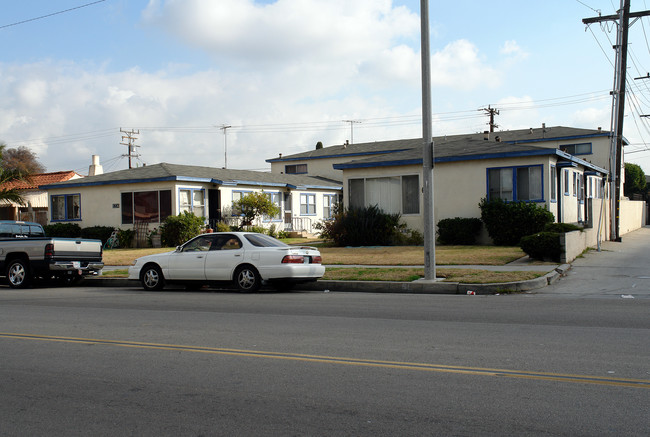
{"type": "Point", "coordinates": [49, 250]}
{"type": "Point", "coordinates": [293, 259]}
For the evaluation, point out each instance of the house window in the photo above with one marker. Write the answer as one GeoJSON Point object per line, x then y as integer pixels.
{"type": "Point", "coordinates": [295, 169]}
{"type": "Point", "coordinates": [393, 195]}
{"type": "Point", "coordinates": [356, 193]}
{"type": "Point", "coordinates": [553, 180]}
{"type": "Point", "coordinates": [566, 182]}
{"type": "Point", "coordinates": [66, 207]}
{"type": "Point", "coordinates": [577, 149]}
{"type": "Point", "coordinates": [411, 194]}
{"type": "Point", "coordinates": [575, 184]}
{"type": "Point", "coordinates": [329, 200]}
{"type": "Point", "coordinates": [192, 200]}
{"type": "Point", "coordinates": [307, 204]}
{"type": "Point", "coordinates": [516, 183]}
{"type": "Point", "coordinates": [236, 197]}
{"type": "Point", "coordinates": [275, 199]}
{"type": "Point", "coordinates": [146, 206]}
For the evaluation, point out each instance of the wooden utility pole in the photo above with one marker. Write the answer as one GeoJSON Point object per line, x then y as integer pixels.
{"type": "Point", "coordinates": [491, 112]}
{"type": "Point", "coordinates": [130, 137]}
{"type": "Point", "coordinates": [618, 107]}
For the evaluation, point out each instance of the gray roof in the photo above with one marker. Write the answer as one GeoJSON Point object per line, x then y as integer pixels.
{"type": "Point", "coordinates": [521, 136]}
{"type": "Point", "coordinates": [190, 173]}
{"type": "Point", "coordinates": [461, 150]}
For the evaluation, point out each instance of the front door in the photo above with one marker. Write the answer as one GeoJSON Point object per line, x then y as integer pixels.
{"type": "Point", "coordinates": [189, 263]}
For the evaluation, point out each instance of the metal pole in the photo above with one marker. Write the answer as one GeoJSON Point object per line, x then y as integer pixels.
{"type": "Point", "coordinates": [225, 145]}
{"type": "Point", "coordinates": [427, 145]}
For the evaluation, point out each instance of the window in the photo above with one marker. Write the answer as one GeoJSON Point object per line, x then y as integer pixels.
{"type": "Point", "coordinates": [329, 200]}
{"type": "Point", "coordinates": [307, 204]}
{"type": "Point", "coordinates": [237, 196]}
{"type": "Point", "coordinates": [567, 192]}
{"type": "Point", "coordinates": [66, 207]}
{"type": "Point", "coordinates": [295, 169]}
{"type": "Point", "coordinates": [275, 199]}
{"type": "Point", "coordinates": [516, 183]}
{"type": "Point", "coordinates": [553, 180]}
{"type": "Point", "coordinates": [357, 193]}
{"type": "Point", "coordinates": [192, 200]}
{"type": "Point", "coordinates": [147, 206]}
{"type": "Point", "coordinates": [575, 184]}
{"type": "Point", "coordinates": [577, 149]}
{"type": "Point", "coordinates": [396, 194]}
{"type": "Point", "coordinates": [411, 194]}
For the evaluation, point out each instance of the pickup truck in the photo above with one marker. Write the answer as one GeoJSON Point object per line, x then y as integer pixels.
{"type": "Point", "coordinates": [26, 253]}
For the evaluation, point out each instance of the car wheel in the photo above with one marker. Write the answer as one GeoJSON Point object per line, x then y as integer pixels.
{"type": "Point", "coordinates": [247, 279]}
{"type": "Point", "coordinates": [152, 278]}
{"type": "Point", "coordinates": [18, 274]}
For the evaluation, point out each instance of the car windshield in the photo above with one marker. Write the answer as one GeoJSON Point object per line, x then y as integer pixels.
{"type": "Point", "coordinates": [261, 240]}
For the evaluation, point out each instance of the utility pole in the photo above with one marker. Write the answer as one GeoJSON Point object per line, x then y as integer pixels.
{"type": "Point", "coordinates": [427, 146]}
{"type": "Point", "coordinates": [351, 129]}
{"type": "Point", "coordinates": [225, 144]}
{"type": "Point", "coordinates": [618, 107]}
{"type": "Point", "coordinates": [491, 112]}
{"type": "Point", "coordinates": [130, 137]}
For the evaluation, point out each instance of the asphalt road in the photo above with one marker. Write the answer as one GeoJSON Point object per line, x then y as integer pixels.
{"type": "Point", "coordinates": [102, 361]}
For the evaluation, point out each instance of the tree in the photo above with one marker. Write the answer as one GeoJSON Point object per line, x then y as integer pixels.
{"type": "Point", "coordinates": [635, 182]}
{"type": "Point", "coordinates": [21, 159]}
{"type": "Point", "coordinates": [7, 192]}
{"type": "Point", "coordinates": [253, 205]}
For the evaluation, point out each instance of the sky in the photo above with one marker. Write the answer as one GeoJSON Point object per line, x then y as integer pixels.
{"type": "Point", "coordinates": [283, 75]}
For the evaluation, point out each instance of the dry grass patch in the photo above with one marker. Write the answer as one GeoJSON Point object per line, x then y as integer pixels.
{"type": "Point", "coordinates": [466, 276]}
{"type": "Point", "coordinates": [414, 255]}
{"type": "Point", "coordinates": [125, 257]}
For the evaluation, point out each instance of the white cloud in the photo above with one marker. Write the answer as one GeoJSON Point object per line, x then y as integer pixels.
{"type": "Point", "coordinates": [459, 66]}
{"type": "Point", "coordinates": [512, 49]}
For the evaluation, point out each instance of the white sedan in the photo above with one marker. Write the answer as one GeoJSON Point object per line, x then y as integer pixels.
{"type": "Point", "coordinates": [246, 259]}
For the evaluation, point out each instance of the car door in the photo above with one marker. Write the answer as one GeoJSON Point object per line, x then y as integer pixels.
{"type": "Point", "coordinates": [225, 254]}
{"type": "Point", "coordinates": [188, 263]}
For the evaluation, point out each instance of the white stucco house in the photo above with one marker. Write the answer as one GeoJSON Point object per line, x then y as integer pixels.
{"type": "Point", "coordinates": [562, 168]}
{"type": "Point", "coordinates": [149, 194]}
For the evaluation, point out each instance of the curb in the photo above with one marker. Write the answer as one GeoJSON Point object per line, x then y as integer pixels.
{"type": "Point", "coordinates": [415, 287]}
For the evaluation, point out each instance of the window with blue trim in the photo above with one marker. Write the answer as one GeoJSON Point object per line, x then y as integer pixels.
{"type": "Point", "coordinates": [192, 200]}
{"type": "Point", "coordinates": [566, 182]}
{"type": "Point", "coordinates": [307, 204]}
{"type": "Point", "coordinates": [236, 196]}
{"type": "Point", "coordinates": [329, 200]}
{"type": "Point", "coordinates": [575, 184]}
{"type": "Point", "coordinates": [516, 183]}
{"type": "Point", "coordinates": [553, 181]}
{"type": "Point", "coordinates": [577, 149]}
{"type": "Point", "coordinates": [66, 207]}
{"type": "Point", "coordinates": [275, 199]}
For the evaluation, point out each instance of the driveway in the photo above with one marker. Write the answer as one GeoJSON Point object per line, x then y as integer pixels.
{"type": "Point", "coordinates": [619, 270]}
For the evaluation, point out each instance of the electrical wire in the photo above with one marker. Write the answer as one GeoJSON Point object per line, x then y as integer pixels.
{"type": "Point", "coordinates": [51, 15]}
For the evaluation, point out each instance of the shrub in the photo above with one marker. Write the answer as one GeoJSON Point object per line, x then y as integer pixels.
{"type": "Point", "coordinates": [258, 229]}
{"type": "Point", "coordinates": [97, 233]}
{"type": "Point", "coordinates": [125, 237]}
{"type": "Point", "coordinates": [222, 227]}
{"type": "Point", "coordinates": [543, 245]}
{"type": "Point", "coordinates": [64, 230]}
{"type": "Point", "coordinates": [562, 228]}
{"type": "Point", "coordinates": [178, 229]}
{"type": "Point", "coordinates": [272, 231]}
{"type": "Point", "coordinates": [368, 226]}
{"type": "Point", "coordinates": [459, 230]}
{"type": "Point", "coordinates": [507, 222]}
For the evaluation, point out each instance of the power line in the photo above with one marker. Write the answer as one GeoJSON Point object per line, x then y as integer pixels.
{"type": "Point", "coordinates": [51, 15]}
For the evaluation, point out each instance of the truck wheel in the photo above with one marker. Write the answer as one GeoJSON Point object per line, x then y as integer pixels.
{"type": "Point", "coordinates": [152, 278]}
{"type": "Point", "coordinates": [18, 274]}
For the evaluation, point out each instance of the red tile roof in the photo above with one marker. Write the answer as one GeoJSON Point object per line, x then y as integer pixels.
{"type": "Point", "coordinates": [34, 181]}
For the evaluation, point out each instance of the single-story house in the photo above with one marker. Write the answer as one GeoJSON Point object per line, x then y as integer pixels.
{"type": "Point", "coordinates": [149, 194]}
{"type": "Point", "coordinates": [35, 208]}
{"type": "Point", "coordinates": [565, 169]}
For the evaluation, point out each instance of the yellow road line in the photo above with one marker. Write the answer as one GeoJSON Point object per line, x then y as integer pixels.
{"type": "Point", "coordinates": [545, 376]}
